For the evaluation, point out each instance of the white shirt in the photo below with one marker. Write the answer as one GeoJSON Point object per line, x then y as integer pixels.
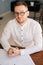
{"type": "Point", "coordinates": [28, 35]}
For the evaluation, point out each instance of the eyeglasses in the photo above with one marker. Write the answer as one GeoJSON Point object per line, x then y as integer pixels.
{"type": "Point", "coordinates": [20, 13]}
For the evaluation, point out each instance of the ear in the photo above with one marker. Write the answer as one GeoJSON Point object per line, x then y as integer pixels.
{"type": "Point", "coordinates": [27, 13]}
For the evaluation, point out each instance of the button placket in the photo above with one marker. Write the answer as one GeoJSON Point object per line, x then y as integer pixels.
{"type": "Point", "coordinates": [22, 35]}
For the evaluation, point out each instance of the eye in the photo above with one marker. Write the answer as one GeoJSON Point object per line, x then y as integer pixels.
{"type": "Point", "coordinates": [16, 13]}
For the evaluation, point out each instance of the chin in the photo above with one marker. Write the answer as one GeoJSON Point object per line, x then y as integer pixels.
{"type": "Point", "coordinates": [20, 21]}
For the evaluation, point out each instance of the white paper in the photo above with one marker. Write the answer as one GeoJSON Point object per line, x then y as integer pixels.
{"type": "Point", "coordinates": [18, 60]}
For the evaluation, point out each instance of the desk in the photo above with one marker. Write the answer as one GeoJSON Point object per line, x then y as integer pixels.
{"type": "Point", "coordinates": [38, 58]}
{"type": "Point", "coordinates": [18, 60]}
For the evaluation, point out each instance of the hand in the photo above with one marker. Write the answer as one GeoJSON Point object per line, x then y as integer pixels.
{"type": "Point", "coordinates": [13, 51]}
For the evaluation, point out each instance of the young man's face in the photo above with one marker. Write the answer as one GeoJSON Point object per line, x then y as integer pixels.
{"type": "Point", "coordinates": [21, 13]}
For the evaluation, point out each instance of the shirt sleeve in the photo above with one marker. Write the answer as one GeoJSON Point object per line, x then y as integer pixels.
{"type": "Point", "coordinates": [5, 36]}
{"type": "Point", "coordinates": [37, 38]}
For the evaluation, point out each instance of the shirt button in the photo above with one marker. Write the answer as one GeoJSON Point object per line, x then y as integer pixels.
{"type": "Point", "coordinates": [22, 37]}
{"type": "Point", "coordinates": [21, 29]}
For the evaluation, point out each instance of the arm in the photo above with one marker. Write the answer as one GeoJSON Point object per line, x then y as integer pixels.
{"type": "Point", "coordinates": [37, 38]}
{"type": "Point", "coordinates": [5, 36]}
{"type": "Point", "coordinates": [5, 43]}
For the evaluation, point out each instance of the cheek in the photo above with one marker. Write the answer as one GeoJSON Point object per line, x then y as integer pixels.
{"type": "Point", "coordinates": [16, 17]}
{"type": "Point", "coordinates": [25, 17]}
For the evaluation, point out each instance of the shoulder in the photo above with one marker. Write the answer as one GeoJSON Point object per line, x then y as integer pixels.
{"type": "Point", "coordinates": [10, 23]}
{"type": "Point", "coordinates": [34, 24]}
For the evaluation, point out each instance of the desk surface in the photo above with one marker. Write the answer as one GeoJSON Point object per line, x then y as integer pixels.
{"type": "Point", "coordinates": [18, 60]}
{"type": "Point", "coordinates": [38, 58]}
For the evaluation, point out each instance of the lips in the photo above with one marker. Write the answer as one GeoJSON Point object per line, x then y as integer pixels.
{"type": "Point", "coordinates": [20, 20]}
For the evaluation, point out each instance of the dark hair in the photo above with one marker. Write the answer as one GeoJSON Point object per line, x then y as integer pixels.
{"type": "Point", "coordinates": [21, 3]}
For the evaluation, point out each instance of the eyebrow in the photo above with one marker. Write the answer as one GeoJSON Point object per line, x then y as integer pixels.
{"type": "Point", "coordinates": [21, 11]}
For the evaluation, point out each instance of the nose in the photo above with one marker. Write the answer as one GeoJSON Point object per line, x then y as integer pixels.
{"type": "Point", "coordinates": [19, 15]}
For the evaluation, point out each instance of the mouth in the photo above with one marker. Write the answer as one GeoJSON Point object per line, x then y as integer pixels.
{"type": "Point", "coordinates": [20, 20]}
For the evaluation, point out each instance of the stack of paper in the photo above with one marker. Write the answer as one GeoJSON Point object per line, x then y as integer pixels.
{"type": "Point", "coordinates": [18, 60]}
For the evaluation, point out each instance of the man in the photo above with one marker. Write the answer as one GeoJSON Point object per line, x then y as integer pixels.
{"type": "Point", "coordinates": [26, 32]}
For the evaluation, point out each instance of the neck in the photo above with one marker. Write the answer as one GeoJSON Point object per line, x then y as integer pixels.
{"type": "Point", "coordinates": [22, 23]}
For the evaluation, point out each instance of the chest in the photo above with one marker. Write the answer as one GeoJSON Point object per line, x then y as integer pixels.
{"type": "Point", "coordinates": [24, 33]}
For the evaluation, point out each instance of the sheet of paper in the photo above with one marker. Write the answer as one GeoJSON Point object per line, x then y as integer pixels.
{"type": "Point", "coordinates": [18, 60]}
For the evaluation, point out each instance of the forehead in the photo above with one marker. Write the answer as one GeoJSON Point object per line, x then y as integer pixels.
{"type": "Point", "coordinates": [20, 8]}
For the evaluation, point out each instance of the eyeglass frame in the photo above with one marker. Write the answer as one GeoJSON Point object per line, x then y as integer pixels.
{"type": "Point", "coordinates": [20, 13]}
